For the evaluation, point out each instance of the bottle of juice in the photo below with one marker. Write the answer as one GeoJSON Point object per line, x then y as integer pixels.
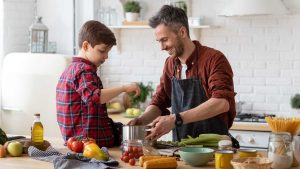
{"type": "Point", "coordinates": [37, 132]}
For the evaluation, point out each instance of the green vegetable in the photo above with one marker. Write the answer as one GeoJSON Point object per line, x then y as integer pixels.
{"type": "Point", "coordinates": [209, 140]}
{"type": "Point", "coordinates": [3, 137]}
{"type": "Point", "coordinates": [145, 91]}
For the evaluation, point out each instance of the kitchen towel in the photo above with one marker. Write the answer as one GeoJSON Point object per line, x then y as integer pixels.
{"type": "Point", "coordinates": [71, 160]}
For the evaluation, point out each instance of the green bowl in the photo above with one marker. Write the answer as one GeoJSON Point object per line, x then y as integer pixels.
{"type": "Point", "coordinates": [196, 156]}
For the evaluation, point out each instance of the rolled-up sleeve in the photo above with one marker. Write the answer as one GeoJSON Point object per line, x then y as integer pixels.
{"type": "Point", "coordinates": [220, 81]}
{"type": "Point", "coordinates": [87, 86]}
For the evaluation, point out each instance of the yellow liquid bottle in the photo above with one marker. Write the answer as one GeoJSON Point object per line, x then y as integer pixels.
{"type": "Point", "coordinates": [37, 132]}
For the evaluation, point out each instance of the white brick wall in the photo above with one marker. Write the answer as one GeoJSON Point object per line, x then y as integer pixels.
{"type": "Point", "coordinates": [263, 51]}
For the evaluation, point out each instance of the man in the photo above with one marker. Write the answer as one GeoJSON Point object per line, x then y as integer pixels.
{"type": "Point", "coordinates": [197, 82]}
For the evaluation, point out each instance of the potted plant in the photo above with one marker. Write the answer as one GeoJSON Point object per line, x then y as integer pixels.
{"type": "Point", "coordinates": [295, 101]}
{"type": "Point", "coordinates": [132, 10]}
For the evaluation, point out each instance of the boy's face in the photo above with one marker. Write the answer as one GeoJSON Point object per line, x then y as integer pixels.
{"type": "Point", "coordinates": [98, 54]}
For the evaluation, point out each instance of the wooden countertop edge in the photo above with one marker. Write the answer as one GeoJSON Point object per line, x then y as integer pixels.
{"type": "Point", "coordinates": [250, 126]}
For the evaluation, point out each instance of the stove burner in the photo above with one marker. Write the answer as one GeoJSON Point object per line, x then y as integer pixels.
{"type": "Point", "coordinates": [246, 117]}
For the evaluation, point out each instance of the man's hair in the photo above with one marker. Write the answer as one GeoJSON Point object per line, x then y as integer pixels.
{"type": "Point", "coordinates": [96, 33]}
{"type": "Point", "coordinates": [172, 17]}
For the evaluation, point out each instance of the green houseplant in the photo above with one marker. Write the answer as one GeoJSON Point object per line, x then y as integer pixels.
{"type": "Point", "coordinates": [132, 10]}
{"type": "Point", "coordinates": [295, 101]}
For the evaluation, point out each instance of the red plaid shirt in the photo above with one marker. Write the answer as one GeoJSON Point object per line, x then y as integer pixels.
{"type": "Point", "coordinates": [79, 111]}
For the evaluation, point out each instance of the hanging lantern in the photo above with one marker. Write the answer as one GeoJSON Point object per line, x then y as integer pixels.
{"type": "Point", "coordinates": [38, 36]}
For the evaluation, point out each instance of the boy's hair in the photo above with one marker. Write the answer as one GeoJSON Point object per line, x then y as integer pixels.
{"type": "Point", "coordinates": [171, 16]}
{"type": "Point", "coordinates": [96, 33]}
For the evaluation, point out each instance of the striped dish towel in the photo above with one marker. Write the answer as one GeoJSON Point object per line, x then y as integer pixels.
{"type": "Point", "coordinates": [71, 160]}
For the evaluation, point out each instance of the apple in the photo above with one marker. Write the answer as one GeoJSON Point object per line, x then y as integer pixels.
{"type": "Point", "coordinates": [136, 112]}
{"type": "Point", "coordinates": [129, 111]}
{"type": "Point", "coordinates": [15, 148]}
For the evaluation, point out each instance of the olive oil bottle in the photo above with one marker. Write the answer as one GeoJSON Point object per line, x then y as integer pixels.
{"type": "Point", "coordinates": [37, 132]}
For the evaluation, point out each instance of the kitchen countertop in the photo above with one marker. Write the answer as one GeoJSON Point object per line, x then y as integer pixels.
{"type": "Point", "coordinates": [57, 143]}
{"type": "Point", "coordinates": [250, 126]}
{"type": "Point", "coordinates": [25, 162]}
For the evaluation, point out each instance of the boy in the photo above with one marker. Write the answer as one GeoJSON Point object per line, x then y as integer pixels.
{"type": "Point", "coordinates": [80, 97]}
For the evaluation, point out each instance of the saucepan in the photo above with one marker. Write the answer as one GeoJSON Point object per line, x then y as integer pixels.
{"type": "Point", "coordinates": [137, 132]}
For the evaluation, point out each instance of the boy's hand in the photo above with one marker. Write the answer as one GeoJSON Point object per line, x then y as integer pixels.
{"type": "Point", "coordinates": [133, 87]}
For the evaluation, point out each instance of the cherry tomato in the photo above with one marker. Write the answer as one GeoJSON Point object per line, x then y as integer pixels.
{"type": "Point", "coordinates": [130, 149]}
{"type": "Point", "coordinates": [135, 149]}
{"type": "Point", "coordinates": [126, 159]}
{"type": "Point", "coordinates": [77, 146]}
{"type": "Point", "coordinates": [132, 162]}
{"type": "Point", "coordinates": [70, 141]}
{"type": "Point", "coordinates": [136, 155]}
{"type": "Point", "coordinates": [126, 153]}
{"type": "Point", "coordinates": [131, 155]}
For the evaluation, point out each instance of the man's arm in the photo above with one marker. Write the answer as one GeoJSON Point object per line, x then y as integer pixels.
{"type": "Point", "coordinates": [211, 108]}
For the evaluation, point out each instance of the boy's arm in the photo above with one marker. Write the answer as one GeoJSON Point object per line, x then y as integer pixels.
{"type": "Point", "coordinates": [109, 93]}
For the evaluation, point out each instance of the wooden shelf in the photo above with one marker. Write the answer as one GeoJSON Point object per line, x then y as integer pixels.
{"type": "Point", "coordinates": [148, 27]}
{"type": "Point", "coordinates": [194, 31]}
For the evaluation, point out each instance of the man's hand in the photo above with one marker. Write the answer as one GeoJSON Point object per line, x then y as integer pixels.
{"type": "Point", "coordinates": [133, 87]}
{"type": "Point", "coordinates": [161, 125]}
{"type": "Point", "coordinates": [135, 121]}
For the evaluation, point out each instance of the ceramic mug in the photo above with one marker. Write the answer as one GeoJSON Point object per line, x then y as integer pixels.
{"type": "Point", "coordinates": [223, 158]}
{"type": "Point", "coordinates": [243, 153]}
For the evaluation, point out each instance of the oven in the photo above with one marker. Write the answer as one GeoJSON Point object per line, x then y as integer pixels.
{"type": "Point", "coordinates": [256, 133]}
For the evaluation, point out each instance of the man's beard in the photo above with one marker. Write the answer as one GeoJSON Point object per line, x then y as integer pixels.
{"type": "Point", "coordinates": [179, 49]}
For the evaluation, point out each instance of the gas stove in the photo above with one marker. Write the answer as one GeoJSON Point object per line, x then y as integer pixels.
{"type": "Point", "coordinates": [247, 117]}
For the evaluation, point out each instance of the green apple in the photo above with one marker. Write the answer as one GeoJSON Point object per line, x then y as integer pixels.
{"type": "Point", "coordinates": [129, 111]}
{"type": "Point", "coordinates": [136, 112]}
{"type": "Point", "coordinates": [15, 148]}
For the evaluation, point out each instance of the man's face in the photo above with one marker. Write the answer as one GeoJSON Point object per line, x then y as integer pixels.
{"type": "Point", "coordinates": [169, 41]}
{"type": "Point", "coordinates": [98, 54]}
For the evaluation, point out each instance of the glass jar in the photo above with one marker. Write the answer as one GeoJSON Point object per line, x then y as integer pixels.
{"type": "Point", "coordinates": [280, 150]}
{"type": "Point", "coordinates": [132, 148]}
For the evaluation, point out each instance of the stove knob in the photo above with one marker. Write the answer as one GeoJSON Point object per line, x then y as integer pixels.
{"type": "Point", "coordinates": [251, 140]}
{"type": "Point", "coordinates": [238, 138]}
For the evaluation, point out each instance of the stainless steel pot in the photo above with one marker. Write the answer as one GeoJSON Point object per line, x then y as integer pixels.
{"type": "Point", "coordinates": [135, 132]}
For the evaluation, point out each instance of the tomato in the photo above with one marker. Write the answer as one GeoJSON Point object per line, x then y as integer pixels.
{"type": "Point", "coordinates": [70, 141]}
{"type": "Point", "coordinates": [130, 149]}
{"type": "Point", "coordinates": [88, 140]}
{"type": "Point", "coordinates": [77, 146]}
{"type": "Point", "coordinates": [126, 159]}
{"type": "Point", "coordinates": [126, 153]}
{"type": "Point", "coordinates": [136, 155]}
{"type": "Point", "coordinates": [132, 162]}
{"type": "Point", "coordinates": [131, 155]}
{"type": "Point", "coordinates": [135, 149]}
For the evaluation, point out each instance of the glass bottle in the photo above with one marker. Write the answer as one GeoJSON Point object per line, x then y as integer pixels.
{"type": "Point", "coordinates": [37, 132]}
{"type": "Point", "coordinates": [280, 150]}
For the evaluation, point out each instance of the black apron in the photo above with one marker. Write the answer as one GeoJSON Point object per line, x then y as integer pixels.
{"type": "Point", "coordinates": [188, 94]}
